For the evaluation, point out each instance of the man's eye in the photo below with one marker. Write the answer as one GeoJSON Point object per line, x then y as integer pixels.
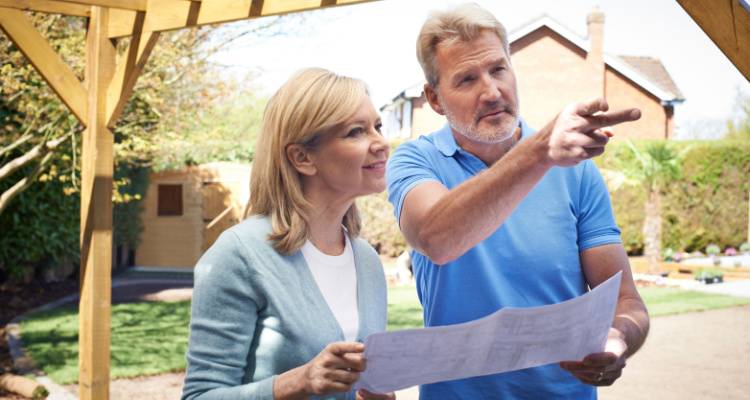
{"type": "Point", "coordinates": [379, 127]}
{"type": "Point", "coordinates": [497, 70]}
{"type": "Point", "coordinates": [467, 79]}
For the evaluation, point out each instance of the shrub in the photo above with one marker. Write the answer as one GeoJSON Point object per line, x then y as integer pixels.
{"type": "Point", "coordinates": [379, 225]}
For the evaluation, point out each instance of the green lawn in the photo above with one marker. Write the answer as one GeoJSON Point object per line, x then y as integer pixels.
{"type": "Point", "coordinates": [151, 338]}
{"type": "Point", "coordinates": [147, 338]}
{"type": "Point", "coordinates": [667, 301]}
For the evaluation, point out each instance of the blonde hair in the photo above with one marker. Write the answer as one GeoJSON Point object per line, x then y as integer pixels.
{"type": "Point", "coordinates": [310, 103]}
{"type": "Point", "coordinates": [463, 23]}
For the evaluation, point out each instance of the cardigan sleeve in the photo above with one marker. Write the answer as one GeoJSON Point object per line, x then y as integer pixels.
{"type": "Point", "coordinates": [223, 320]}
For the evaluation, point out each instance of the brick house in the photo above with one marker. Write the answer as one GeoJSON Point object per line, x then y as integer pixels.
{"type": "Point", "coordinates": [554, 67]}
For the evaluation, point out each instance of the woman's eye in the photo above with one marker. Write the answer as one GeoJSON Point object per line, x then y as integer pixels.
{"type": "Point", "coordinates": [355, 132]}
{"type": "Point", "coordinates": [379, 127]}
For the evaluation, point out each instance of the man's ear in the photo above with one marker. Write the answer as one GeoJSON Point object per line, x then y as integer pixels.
{"type": "Point", "coordinates": [300, 159]}
{"type": "Point", "coordinates": [432, 98]}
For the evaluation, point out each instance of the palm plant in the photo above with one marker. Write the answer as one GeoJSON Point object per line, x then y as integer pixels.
{"type": "Point", "coordinates": [653, 168]}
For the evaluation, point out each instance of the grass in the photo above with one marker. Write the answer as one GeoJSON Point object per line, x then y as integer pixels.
{"type": "Point", "coordinates": [151, 338]}
{"type": "Point", "coordinates": [147, 338]}
{"type": "Point", "coordinates": [668, 301]}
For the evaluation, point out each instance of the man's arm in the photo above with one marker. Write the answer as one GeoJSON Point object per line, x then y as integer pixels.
{"type": "Point", "coordinates": [631, 324]}
{"type": "Point", "coordinates": [444, 224]}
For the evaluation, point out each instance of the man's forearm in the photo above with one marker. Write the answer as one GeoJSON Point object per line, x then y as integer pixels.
{"type": "Point", "coordinates": [473, 210]}
{"type": "Point", "coordinates": [632, 320]}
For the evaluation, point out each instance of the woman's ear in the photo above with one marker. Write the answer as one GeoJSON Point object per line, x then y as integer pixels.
{"type": "Point", "coordinates": [299, 156]}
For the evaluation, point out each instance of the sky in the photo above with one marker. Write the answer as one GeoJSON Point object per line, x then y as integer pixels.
{"type": "Point", "coordinates": [376, 42]}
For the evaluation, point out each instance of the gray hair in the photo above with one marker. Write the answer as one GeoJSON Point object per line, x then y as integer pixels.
{"type": "Point", "coordinates": [463, 23]}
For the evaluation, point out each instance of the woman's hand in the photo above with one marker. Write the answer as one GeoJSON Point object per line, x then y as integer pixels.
{"type": "Point", "coordinates": [334, 370]}
{"type": "Point", "coordinates": [363, 394]}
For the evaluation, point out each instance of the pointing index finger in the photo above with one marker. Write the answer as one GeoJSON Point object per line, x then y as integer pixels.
{"type": "Point", "coordinates": [613, 118]}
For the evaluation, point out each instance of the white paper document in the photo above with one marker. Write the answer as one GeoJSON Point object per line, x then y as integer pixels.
{"type": "Point", "coordinates": [507, 340]}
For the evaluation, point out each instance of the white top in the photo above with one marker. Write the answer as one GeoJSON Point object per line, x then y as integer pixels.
{"type": "Point", "coordinates": [336, 277]}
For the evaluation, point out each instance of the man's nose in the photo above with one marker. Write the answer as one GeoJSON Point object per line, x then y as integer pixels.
{"type": "Point", "coordinates": [490, 90]}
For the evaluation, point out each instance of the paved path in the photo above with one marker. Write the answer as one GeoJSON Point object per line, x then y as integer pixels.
{"type": "Point", "coordinates": [703, 355]}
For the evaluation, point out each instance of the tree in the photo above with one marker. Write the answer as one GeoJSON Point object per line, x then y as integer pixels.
{"type": "Point", "coordinates": [652, 168]}
{"type": "Point", "coordinates": [739, 127]}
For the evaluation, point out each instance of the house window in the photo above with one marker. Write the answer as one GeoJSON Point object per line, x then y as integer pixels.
{"type": "Point", "coordinates": [170, 200]}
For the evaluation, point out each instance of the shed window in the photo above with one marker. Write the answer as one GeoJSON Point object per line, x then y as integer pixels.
{"type": "Point", "coordinates": [170, 200]}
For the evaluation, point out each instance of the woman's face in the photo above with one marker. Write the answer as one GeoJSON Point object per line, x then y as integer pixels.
{"type": "Point", "coordinates": [350, 159]}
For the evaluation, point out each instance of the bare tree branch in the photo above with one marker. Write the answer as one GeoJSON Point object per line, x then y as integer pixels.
{"type": "Point", "coordinates": [15, 144]}
{"type": "Point", "coordinates": [43, 148]}
{"type": "Point", "coordinates": [24, 183]}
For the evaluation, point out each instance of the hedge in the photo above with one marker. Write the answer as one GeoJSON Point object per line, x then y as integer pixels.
{"type": "Point", "coordinates": [709, 204]}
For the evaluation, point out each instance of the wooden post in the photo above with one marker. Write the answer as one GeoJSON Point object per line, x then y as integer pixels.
{"type": "Point", "coordinates": [96, 216]}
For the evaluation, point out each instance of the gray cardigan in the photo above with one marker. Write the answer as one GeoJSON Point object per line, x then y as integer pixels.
{"type": "Point", "coordinates": [257, 313]}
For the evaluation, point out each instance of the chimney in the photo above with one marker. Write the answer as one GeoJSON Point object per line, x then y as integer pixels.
{"type": "Point", "coordinates": [595, 56]}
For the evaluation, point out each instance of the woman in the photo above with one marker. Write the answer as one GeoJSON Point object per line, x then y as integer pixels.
{"type": "Point", "coordinates": [282, 300]}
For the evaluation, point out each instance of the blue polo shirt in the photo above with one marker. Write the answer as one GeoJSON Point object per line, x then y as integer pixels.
{"type": "Point", "coordinates": [531, 260]}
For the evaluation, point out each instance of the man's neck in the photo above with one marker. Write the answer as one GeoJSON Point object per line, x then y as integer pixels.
{"type": "Point", "coordinates": [489, 153]}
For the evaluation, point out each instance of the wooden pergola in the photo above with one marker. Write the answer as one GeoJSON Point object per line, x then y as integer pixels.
{"type": "Point", "coordinates": [97, 104]}
{"type": "Point", "coordinates": [109, 80]}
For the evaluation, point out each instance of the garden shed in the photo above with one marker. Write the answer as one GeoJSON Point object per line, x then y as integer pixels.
{"type": "Point", "coordinates": [185, 211]}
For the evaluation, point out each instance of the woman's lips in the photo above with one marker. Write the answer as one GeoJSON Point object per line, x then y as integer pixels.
{"type": "Point", "coordinates": [376, 166]}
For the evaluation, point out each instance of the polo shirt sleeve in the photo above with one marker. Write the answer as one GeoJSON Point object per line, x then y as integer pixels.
{"type": "Point", "coordinates": [408, 167]}
{"type": "Point", "coordinates": [596, 222]}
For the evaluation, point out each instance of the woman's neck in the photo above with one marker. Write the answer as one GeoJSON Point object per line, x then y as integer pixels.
{"type": "Point", "coordinates": [325, 220]}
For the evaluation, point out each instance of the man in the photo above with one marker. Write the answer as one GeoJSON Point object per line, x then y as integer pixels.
{"type": "Point", "coordinates": [501, 216]}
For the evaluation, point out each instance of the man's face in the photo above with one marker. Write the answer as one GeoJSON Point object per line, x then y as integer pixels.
{"type": "Point", "coordinates": [477, 89]}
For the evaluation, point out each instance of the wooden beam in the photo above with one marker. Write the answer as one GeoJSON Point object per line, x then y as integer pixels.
{"type": "Point", "coordinates": [46, 61]}
{"type": "Point", "coordinates": [165, 15]}
{"type": "Point", "coordinates": [135, 5]}
{"type": "Point", "coordinates": [96, 217]}
{"type": "Point", "coordinates": [48, 6]}
{"type": "Point", "coordinates": [129, 67]}
{"type": "Point", "coordinates": [727, 23]}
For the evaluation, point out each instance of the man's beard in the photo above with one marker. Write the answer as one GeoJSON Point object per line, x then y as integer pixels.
{"type": "Point", "coordinates": [488, 133]}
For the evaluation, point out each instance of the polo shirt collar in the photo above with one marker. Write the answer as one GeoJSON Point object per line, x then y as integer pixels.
{"type": "Point", "coordinates": [446, 143]}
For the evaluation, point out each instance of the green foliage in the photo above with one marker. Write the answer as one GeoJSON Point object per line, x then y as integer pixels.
{"type": "Point", "coordinates": [225, 131]}
{"type": "Point", "coordinates": [126, 216]}
{"type": "Point", "coordinates": [40, 227]}
{"type": "Point", "coordinates": [708, 273]}
{"type": "Point", "coordinates": [740, 128]}
{"type": "Point", "coordinates": [653, 167]}
{"type": "Point", "coordinates": [707, 203]}
{"type": "Point", "coordinates": [379, 225]}
{"type": "Point", "coordinates": [745, 247]}
{"type": "Point", "coordinates": [713, 249]}
{"type": "Point", "coordinates": [147, 338]}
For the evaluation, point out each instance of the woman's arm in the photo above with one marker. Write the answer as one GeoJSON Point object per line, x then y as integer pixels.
{"type": "Point", "coordinates": [222, 326]}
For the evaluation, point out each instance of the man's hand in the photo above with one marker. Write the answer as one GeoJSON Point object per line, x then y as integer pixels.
{"type": "Point", "coordinates": [601, 369]}
{"type": "Point", "coordinates": [363, 394]}
{"type": "Point", "coordinates": [581, 131]}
